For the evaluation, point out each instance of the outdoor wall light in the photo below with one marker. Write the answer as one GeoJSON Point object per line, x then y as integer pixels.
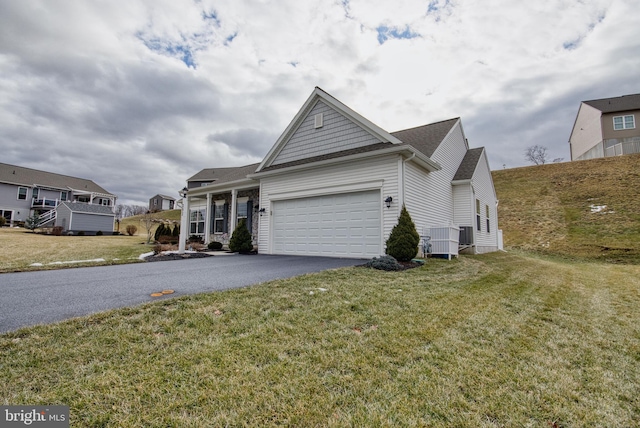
{"type": "Point", "coordinates": [388, 201]}
{"type": "Point", "coordinates": [262, 211]}
{"type": "Point", "coordinates": [184, 192]}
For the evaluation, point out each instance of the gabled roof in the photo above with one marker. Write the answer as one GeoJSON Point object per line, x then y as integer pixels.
{"type": "Point", "coordinates": [164, 197]}
{"type": "Point", "coordinates": [22, 176]}
{"type": "Point", "coordinates": [316, 95]}
{"type": "Point", "coordinates": [612, 105]}
{"type": "Point", "coordinates": [469, 164]}
{"type": "Point", "coordinates": [426, 138]}
{"type": "Point", "coordinates": [81, 207]}
{"type": "Point", "coordinates": [224, 175]}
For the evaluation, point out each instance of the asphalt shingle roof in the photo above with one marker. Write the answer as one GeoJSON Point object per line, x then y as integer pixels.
{"type": "Point", "coordinates": [224, 175]}
{"type": "Point", "coordinates": [28, 177]}
{"type": "Point", "coordinates": [81, 207]}
{"type": "Point", "coordinates": [468, 165]}
{"type": "Point", "coordinates": [426, 138]}
{"type": "Point", "coordinates": [612, 105]}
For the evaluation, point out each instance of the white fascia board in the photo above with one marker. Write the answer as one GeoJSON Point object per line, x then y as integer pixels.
{"type": "Point", "coordinates": [241, 184]}
{"type": "Point", "coordinates": [460, 182]}
{"type": "Point", "coordinates": [317, 94]}
{"type": "Point", "coordinates": [420, 159]}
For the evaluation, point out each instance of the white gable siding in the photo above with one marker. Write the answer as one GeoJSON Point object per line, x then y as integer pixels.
{"type": "Point", "coordinates": [369, 174]}
{"type": "Point", "coordinates": [484, 190]}
{"type": "Point", "coordinates": [337, 133]}
{"type": "Point", "coordinates": [463, 205]}
{"type": "Point", "coordinates": [587, 132]}
{"type": "Point", "coordinates": [63, 217]}
{"type": "Point", "coordinates": [429, 196]}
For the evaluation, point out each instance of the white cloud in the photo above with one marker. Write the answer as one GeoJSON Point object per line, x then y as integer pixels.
{"type": "Point", "coordinates": [138, 96]}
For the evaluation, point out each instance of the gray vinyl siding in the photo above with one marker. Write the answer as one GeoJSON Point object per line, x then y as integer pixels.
{"type": "Point", "coordinates": [381, 171]}
{"type": "Point", "coordinates": [63, 217]}
{"type": "Point", "coordinates": [338, 133]}
{"type": "Point", "coordinates": [9, 201]}
{"type": "Point", "coordinates": [92, 222]}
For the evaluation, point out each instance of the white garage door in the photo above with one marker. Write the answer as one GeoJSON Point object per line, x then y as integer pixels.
{"type": "Point", "coordinates": [342, 225]}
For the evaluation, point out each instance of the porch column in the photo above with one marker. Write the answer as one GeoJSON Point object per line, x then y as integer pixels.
{"type": "Point", "coordinates": [184, 224]}
{"type": "Point", "coordinates": [207, 224]}
{"type": "Point", "coordinates": [234, 211]}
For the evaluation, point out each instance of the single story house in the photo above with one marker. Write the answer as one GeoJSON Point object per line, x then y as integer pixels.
{"type": "Point", "coordinates": [334, 183]}
{"type": "Point", "coordinates": [26, 191]}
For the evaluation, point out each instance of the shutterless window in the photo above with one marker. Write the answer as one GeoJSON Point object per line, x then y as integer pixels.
{"type": "Point", "coordinates": [478, 224]}
{"type": "Point", "coordinates": [242, 210]}
{"type": "Point", "coordinates": [22, 193]}
{"type": "Point", "coordinates": [35, 192]}
{"type": "Point", "coordinates": [624, 122]}
{"type": "Point", "coordinates": [63, 196]}
{"type": "Point", "coordinates": [488, 222]}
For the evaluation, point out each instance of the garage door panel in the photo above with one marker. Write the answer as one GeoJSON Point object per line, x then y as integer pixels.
{"type": "Point", "coordinates": [345, 225]}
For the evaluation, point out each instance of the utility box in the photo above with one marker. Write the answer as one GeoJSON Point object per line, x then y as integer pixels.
{"type": "Point", "coordinates": [445, 240]}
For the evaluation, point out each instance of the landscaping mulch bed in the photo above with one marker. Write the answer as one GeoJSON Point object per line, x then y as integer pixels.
{"type": "Point", "coordinates": [175, 256]}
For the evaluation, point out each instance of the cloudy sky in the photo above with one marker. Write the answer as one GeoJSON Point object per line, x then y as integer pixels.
{"type": "Point", "coordinates": [139, 95]}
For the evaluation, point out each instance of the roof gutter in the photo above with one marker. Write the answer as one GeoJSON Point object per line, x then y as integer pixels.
{"type": "Point", "coordinates": [414, 155]}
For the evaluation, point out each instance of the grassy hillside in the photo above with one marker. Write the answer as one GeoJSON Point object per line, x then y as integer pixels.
{"type": "Point", "coordinates": [169, 216]}
{"type": "Point", "coordinates": [586, 209]}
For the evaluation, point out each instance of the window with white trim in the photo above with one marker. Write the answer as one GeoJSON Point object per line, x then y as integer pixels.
{"type": "Point", "coordinates": [64, 196]}
{"type": "Point", "coordinates": [35, 192]}
{"type": "Point", "coordinates": [241, 209]}
{"type": "Point", "coordinates": [478, 223]}
{"type": "Point", "coordinates": [488, 222]}
{"type": "Point", "coordinates": [22, 193]}
{"type": "Point", "coordinates": [624, 122]}
{"type": "Point", "coordinates": [218, 217]}
{"type": "Point", "coordinates": [196, 221]}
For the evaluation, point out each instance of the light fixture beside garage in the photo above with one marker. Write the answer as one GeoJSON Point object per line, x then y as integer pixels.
{"type": "Point", "coordinates": [262, 211]}
{"type": "Point", "coordinates": [388, 201]}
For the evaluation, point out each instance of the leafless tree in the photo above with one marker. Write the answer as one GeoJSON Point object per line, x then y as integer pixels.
{"type": "Point", "coordinates": [147, 222]}
{"type": "Point", "coordinates": [536, 154]}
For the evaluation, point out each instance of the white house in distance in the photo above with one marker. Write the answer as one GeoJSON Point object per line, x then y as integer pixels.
{"type": "Point", "coordinates": [334, 183]}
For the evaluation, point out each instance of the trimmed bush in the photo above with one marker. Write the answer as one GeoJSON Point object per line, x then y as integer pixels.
{"type": "Point", "coordinates": [3, 221]}
{"type": "Point", "coordinates": [214, 245]}
{"type": "Point", "coordinates": [159, 231]}
{"type": "Point", "coordinates": [240, 241]}
{"type": "Point", "coordinates": [131, 229]}
{"type": "Point", "coordinates": [57, 230]}
{"type": "Point", "coordinates": [404, 239]}
{"type": "Point", "coordinates": [176, 231]}
{"type": "Point", "coordinates": [99, 233]}
{"type": "Point", "coordinates": [387, 263]}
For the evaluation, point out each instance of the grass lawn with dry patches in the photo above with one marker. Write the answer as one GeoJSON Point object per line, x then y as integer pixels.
{"type": "Point", "coordinates": [483, 341]}
{"type": "Point", "coordinates": [20, 249]}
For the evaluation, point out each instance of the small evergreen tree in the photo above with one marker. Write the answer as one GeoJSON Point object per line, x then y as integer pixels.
{"type": "Point", "coordinates": [176, 231]}
{"type": "Point", "coordinates": [31, 222]}
{"type": "Point", "coordinates": [241, 238]}
{"type": "Point", "coordinates": [160, 231]}
{"type": "Point", "coordinates": [404, 239]}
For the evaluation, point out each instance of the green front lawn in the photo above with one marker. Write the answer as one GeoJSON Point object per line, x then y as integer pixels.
{"type": "Point", "coordinates": [494, 340]}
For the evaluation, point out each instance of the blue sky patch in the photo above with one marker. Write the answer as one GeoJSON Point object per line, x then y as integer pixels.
{"type": "Point", "coordinates": [385, 33]}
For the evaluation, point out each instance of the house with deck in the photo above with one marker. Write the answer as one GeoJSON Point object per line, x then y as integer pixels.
{"type": "Point", "coordinates": [25, 192]}
{"type": "Point", "coordinates": [606, 127]}
{"type": "Point", "coordinates": [334, 183]}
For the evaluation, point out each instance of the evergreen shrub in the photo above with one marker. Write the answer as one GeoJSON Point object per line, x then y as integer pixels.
{"type": "Point", "coordinates": [404, 239]}
{"type": "Point", "coordinates": [241, 238]}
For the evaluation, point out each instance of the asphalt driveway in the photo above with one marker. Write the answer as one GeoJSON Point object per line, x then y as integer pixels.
{"type": "Point", "coordinates": [30, 298]}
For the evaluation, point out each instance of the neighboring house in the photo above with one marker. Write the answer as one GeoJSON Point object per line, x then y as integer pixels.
{"type": "Point", "coordinates": [606, 127]}
{"type": "Point", "coordinates": [161, 203]}
{"type": "Point", "coordinates": [334, 184]}
{"type": "Point", "coordinates": [26, 191]}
